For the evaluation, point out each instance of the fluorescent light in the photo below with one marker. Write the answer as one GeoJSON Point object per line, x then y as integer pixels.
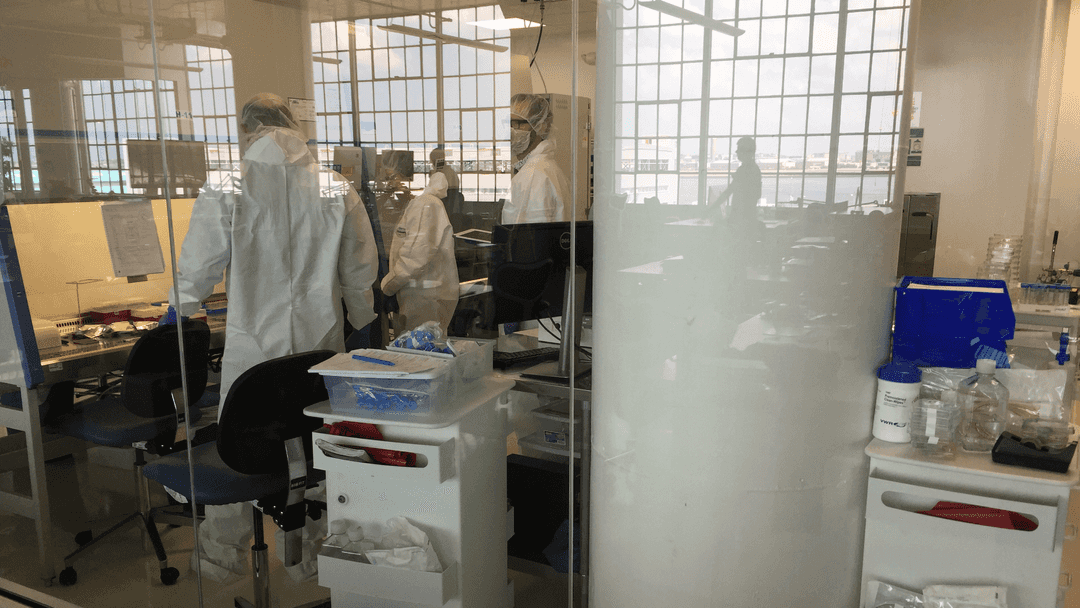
{"type": "Point", "coordinates": [681, 13]}
{"type": "Point", "coordinates": [503, 24]}
{"type": "Point", "coordinates": [412, 31]}
{"type": "Point", "coordinates": [322, 59]}
{"type": "Point", "coordinates": [126, 64]}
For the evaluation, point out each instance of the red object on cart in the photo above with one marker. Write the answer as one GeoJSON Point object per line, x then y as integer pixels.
{"type": "Point", "coordinates": [983, 516]}
{"type": "Point", "coordinates": [368, 431]}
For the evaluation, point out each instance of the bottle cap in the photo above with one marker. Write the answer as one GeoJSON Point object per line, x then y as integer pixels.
{"type": "Point", "coordinates": [905, 373]}
{"type": "Point", "coordinates": [985, 366]}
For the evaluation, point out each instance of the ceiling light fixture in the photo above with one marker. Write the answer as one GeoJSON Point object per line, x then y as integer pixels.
{"type": "Point", "coordinates": [504, 24]}
{"type": "Point", "coordinates": [692, 17]}
{"type": "Point", "coordinates": [412, 31]}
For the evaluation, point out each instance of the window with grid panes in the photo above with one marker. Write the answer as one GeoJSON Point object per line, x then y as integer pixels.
{"type": "Point", "coordinates": [806, 77]}
{"type": "Point", "coordinates": [213, 106]}
{"type": "Point", "coordinates": [115, 111]}
{"type": "Point", "coordinates": [9, 152]}
{"type": "Point", "coordinates": [396, 80]}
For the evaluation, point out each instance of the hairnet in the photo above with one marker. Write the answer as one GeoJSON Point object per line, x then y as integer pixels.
{"type": "Point", "coordinates": [437, 155]}
{"type": "Point", "coordinates": [267, 110]}
{"type": "Point", "coordinates": [534, 109]}
{"type": "Point", "coordinates": [436, 185]}
{"type": "Point", "coordinates": [746, 143]}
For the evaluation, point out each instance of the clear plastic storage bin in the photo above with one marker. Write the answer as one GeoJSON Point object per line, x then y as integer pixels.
{"type": "Point", "coordinates": [414, 385]}
{"type": "Point", "coordinates": [388, 395]}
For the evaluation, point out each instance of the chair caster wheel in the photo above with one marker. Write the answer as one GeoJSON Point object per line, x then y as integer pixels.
{"type": "Point", "coordinates": [68, 576]}
{"type": "Point", "coordinates": [169, 575]}
{"type": "Point", "coordinates": [84, 537]}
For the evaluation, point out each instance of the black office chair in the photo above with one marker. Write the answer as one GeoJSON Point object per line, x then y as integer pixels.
{"type": "Point", "coordinates": [263, 455]}
{"type": "Point", "coordinates": [148, 414]}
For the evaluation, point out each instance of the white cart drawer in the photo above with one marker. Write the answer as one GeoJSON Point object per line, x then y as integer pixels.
{"type": "Point", "coordinates": [897, 502]}
{"type": "Point", "coordinates": [434, 463]}
{"type": "Point", "coordinates": [346, 572]}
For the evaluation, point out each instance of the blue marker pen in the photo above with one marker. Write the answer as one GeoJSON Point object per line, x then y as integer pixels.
{"type": "Point", "coordinates": [372, 360]}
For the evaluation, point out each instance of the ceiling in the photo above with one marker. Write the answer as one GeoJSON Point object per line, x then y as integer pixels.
{"type": "Point", "coordinates": [205, 21]}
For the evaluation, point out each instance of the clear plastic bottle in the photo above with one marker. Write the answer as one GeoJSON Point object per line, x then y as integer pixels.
{"type": "Point", "coordinates": [933, 424]}
{"type": "Point", "coordinates": [983, 408]}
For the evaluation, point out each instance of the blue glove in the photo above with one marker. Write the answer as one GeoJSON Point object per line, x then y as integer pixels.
{"type": "Point", "coordinates": [169, 318]}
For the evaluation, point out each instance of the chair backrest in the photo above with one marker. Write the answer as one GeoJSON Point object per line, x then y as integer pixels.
{"type": "Point", "coordinates": [265, 407]}
{"type": "Point", "coordinates": [157, 355]}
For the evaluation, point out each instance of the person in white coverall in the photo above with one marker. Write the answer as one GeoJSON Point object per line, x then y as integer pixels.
{"type": "Point", "coordinates": [540, 191]}
{"type": "Point", "coordinates": [423, 268]}
{"type": "Point", "coordinates": [292, 239]}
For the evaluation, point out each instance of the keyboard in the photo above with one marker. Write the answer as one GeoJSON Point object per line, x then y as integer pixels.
{"type": "Point", "coordinates": [503, 360]}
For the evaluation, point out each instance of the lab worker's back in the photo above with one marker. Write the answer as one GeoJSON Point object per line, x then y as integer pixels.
{"type": "Point", "coordinates": [294, 239]}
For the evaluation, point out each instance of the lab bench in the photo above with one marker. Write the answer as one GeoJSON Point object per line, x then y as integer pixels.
{"type": "Point", "coordinates": [458, 497]}
{"type": "Point", "coordinates": [912, 550]}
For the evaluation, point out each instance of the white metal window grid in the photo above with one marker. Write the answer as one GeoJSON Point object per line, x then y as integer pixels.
{"type": "Point", "coordinates": [213, 105]}
{"type": "Point", "coordinates": [19, 129]}
{"type": "Point", "coordinates": [8, 136]}
{"type": "Point", "coordinates": [645, 148]}
{"type": "Point", "coordinates": [392, 91]}
{"type": "Point", "coordinates": [31, 143]}
{"type": "Point", "coordinates": [115, 111]}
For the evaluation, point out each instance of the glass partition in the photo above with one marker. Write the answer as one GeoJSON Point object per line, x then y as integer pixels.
{"type": "Point", "coordinates": [688, 211]}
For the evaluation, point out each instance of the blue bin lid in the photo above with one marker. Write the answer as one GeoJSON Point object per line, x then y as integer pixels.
{"type": "Point", "coordinates": [898, 371]}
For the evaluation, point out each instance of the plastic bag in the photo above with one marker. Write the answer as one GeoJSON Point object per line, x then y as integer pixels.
{"type": "Point", "coordinates": [884, 595]}
{"type": "Point", "coordinates": [1032, 393]}
{"type": "Point", "coordinates": [427, 337]}
{"type": "Point", "coordinates": [956, 596]}
{"type": "Point", "coordinates": [405, 546]}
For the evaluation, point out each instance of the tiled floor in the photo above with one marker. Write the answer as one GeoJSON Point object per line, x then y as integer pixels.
{"type": "Point", "coordinates": [119, 571]}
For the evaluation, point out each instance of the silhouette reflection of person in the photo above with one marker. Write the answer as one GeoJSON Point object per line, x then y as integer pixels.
{"type": "Point", "coordinates": [744, 190]}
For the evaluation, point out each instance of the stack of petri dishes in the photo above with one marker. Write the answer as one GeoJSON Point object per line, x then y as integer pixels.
{"type": "Point", "coordinates": [1003, 259]}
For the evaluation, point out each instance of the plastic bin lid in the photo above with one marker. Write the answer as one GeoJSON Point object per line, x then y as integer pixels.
{"type": "Point", "coordinates": [373, 363]}
{"type": "Point", "coordinates": [898, 371]}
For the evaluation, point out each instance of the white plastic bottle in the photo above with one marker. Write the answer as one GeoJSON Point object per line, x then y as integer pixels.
{"type": "Point", "coordinates": [984, 405]}
{"type": "Point", "coordinates": [897, 390]}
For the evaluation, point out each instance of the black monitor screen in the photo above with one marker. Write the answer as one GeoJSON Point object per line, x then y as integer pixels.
{"type": "Point", "coordinates": [524, 285]}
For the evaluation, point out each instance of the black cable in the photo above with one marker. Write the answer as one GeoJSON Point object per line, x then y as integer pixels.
{"type": "Point", "coordinates": [539, 36]}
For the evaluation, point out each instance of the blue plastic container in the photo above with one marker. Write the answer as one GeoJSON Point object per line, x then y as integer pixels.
{"type": "Point", "coordinates": [944, 322]}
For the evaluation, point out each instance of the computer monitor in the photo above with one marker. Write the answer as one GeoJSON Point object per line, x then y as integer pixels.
{"type": "Point", "coordinates": [396, 163]}
{"type": "Point", "coordinates": [530, 267]}
{"type": "Point", "coordinates": [186, 162]}
{"type": "Point", "coordinates": [358, 165]}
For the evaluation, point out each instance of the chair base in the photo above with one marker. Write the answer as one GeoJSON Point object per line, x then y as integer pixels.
{"type": "Point", "coordinates": [260, 563]}
{"type": "Point", "coordinates": [145, 515]}
{"type": "Point", "coordinates": [168, 575]}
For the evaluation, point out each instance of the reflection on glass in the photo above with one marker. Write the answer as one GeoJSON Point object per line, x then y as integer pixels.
{"type": "Point", "coordinates": [737, 265]}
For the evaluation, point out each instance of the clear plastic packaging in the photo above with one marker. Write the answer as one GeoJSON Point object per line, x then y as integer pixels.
{"type": "Point", "coordinates": [984, 408]}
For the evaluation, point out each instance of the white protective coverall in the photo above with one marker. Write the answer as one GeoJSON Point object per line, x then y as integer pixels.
{"type": "Point", "coordinates": [423, 268]}
{"type": "Point", "coordinates": [293, 239]}
{"type": "Point", "coordinates": [539, 191]}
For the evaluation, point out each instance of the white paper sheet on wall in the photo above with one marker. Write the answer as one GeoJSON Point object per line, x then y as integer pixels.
{"type": "Point", "coordinates": [133, 238]}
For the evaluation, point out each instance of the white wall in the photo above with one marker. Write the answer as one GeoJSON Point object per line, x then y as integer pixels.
{"type": "Point", "coordinates": [1064, 213]}
{"type": "Point", "coordinates": [976, 66]}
